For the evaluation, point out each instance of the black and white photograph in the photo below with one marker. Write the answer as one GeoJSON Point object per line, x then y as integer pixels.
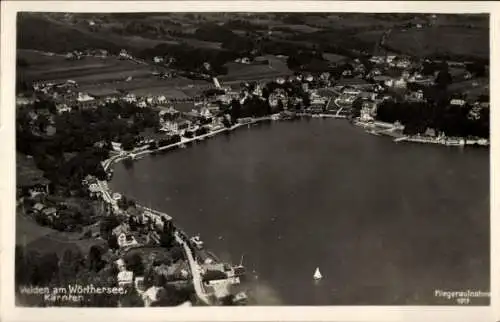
{"type": "Point", "coordinates": [184, 159]}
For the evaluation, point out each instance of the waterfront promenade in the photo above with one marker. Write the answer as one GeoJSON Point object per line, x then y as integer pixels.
{"type": "Point", "coordinates": [195, 271]}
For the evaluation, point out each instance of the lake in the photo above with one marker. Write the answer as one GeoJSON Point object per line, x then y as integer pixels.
{"type": "Point", "coordinates": [386, 223]}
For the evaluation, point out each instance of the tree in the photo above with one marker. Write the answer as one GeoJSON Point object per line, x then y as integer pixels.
{"type": "Point", "coordinates": [280, 106]}
{"type": "Point", "coordinates": [476, 68]}
{"type": "Point", "coordinates": [94, 259]}
{"type": "Point", "coordinates": [177, 253]}
{"type": "Point", "coordinates": [235, 110]}
{"type": "Point", "coordinates": [107, 224]}
{"type": "Point", "coordinates": [113, 242]}
{"type": "Point", "coordinates": [69, 265]}
{"type": "Point", "coordinates": [42, 121]}
{"type": "Point", "coordinates": [444, 77]}
{"type": "Point", "coordinates": [135, 264]}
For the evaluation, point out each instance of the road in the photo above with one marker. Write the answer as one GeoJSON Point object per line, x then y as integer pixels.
{"type": "Point", "coordinates": [195, 272]}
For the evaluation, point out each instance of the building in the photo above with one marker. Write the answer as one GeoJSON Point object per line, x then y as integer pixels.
{"type": "Point", "coordinates": [50, 213]}
{"type": "Point", "coordinates": [158, 59]}
{"type": "Point", "coordinates": [170, 126]}
{"type": "Point", "coordinates": [123, 54]}
{"type": "Point", "coordinates": [38, 207]}
{"type": "Point", "coordinates": [130, 98]}
{"type": "Point", "coordinates": [458, 102]}
{"type": "Point", "coordinates": [417, 78]}
{"type": "Point", "coordinates": [116, 146]}
{"type": "Point", "coordinates": [23, 101]}
{"type": "Point", "coordinates": [430, 132]}
{"type": "Point", "coordinates": [366, 115]}
{"type": "Point", "coordinates": [350, 90]}
{"type": "Point", "coordinates": [168, 113]}
{"type": "Point", "coordinates": [399, 83]}
{"type": "Point", "coordinates": [62, 108]}
{"type": "Point", "coordinates": [377, 59]}
{"type": "Point", "coordinates": [415, 96]}
{"type": "Point", "coordinates": [126, 240]}
{"type": "Point", "coordinates": [125, 277]}
{"type": "Point", "coordinates": [403, 62]}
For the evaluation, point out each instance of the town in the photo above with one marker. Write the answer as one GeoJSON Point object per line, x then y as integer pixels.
{"type": "Point", "coordinates": [78, 112]}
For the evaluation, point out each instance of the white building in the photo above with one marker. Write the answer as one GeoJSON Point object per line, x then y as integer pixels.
{"type": "Point", "coordinates": [205, 112]}
{"type": "Point", "coordinates": [458, 102]}
{"type": "Point", "coordinates": [365, 115]}
{"type": "Point", "coordinates": [350, 91]}
{"type": "Point", "coordinates": [61, 108]}
{"type": "Point", "coordinates": [158, 59]}
{"type": "Point", "coordinates": [123, 54]}
{"type": "Point", "coordinates": [390, 59]}
{"type": "Point", "coordinates": [130, 98]}
{"type": "Point", "coordinates": [377, 59]}
{"type": "Point", "coordinates": [396, 83]}
{"type": "Point", "coordinates": [83, 97]}
{"type": "Point", "coordinates": [126, 241]}
{"type": "Point", "coordinates": [170, 126]}
{"type": "Point", "coordinates": [403, 63]}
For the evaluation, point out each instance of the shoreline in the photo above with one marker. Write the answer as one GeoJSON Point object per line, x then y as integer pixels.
{"type": "Point", "coordinates": [388, 129]}
{"type": "Point", "coordinates": [376, 128]}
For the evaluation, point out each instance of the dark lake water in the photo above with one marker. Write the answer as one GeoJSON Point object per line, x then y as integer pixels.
{"type": "Point", "coordinates": [386, 223]}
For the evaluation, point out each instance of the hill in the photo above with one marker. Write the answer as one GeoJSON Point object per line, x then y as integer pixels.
{"type": "Point", "coordinates": [36, 32]}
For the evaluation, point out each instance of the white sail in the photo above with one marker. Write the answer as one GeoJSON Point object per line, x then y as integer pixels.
{"type": "Point", "coordinates": [317, 274]}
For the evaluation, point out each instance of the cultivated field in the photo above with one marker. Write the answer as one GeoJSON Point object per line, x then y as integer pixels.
{"type": "Point", "coordinates": [334, 58]}
{"type": "Point", "coordinates": [466, 87]}
{"type": "Point", "coordinates": [28, 230]}
{"type": "Point", "coordinates": [441, 40]}
{"type": "Point", "coordinates": [98, 74]}
{"type": "Point", "coordinates": [89, 69]}
{"type": "Point", "coordinates": [276, 67]}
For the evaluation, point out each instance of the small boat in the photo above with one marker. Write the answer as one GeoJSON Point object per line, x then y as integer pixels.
{"type": "Point", "coordinates": [317, 274]}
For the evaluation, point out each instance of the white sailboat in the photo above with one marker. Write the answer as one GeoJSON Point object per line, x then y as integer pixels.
{"type": "Point", "coordinates": [317, 274]}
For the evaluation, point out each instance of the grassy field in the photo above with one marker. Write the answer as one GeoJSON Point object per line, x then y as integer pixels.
{"type": "Point", "coordinates": [334, 58]}
{"type": "Point", "coordinates": [466, 87]}
{"type": "Point", "coordinates": [442, 40]}
{"type": "Point", "coordinates": [45, 239]}
{"type": "Point", "coordinates": [276, 67]}
{"type": "Point", "coordinates": [28, 230]}
{"type": "Point", "coordinates": [200, 43]}
{"type": "Point", "coordinates": [42, 67]}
